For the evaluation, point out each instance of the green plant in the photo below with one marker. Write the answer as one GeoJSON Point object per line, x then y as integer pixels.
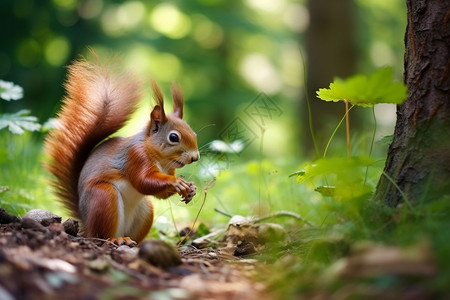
{"type": "Point", "coordinates": [20, 121]}
{"type": "Point", "coordinates": [21, 171]}
{"type": "Point", "coordinates": [364, 91]}
{"type": "Point", "coordinates": [351, 222]}
{"type": "Point", "coordinates": [358, 90]}
{"type": "Point", "coordinates": [22, 180]}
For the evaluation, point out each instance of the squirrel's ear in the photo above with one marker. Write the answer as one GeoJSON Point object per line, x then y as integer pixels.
{"type": "Point", "coordinates": [158, 112]}
{"type": "Point", "coordinates": [178, 100]}
{"type": "Point", "coordinates": [156, 119]}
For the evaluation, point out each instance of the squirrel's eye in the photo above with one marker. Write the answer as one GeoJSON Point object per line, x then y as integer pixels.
{"type": "Point", "coordinates": [174, 137]}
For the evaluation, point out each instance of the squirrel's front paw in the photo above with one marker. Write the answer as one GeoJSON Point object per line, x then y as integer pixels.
{"type": "Point", "coordinates": [192, 192]}
{"type": "Point", "coordinates": [185, 189]}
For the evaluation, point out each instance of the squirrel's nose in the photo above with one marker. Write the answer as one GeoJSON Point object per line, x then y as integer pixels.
{"type": "Point", "coordinates": [195, 156]}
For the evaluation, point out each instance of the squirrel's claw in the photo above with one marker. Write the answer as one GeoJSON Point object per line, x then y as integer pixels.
{"type": "Point", "coordinates": [119, 241]}
{"type": "Point", "coordinates": [192, 192]}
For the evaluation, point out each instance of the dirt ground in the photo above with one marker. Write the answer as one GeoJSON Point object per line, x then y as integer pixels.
{"type": "Point", "coordinates": [45, 262]}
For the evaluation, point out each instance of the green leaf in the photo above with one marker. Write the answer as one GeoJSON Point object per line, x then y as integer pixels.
{"type": "Point", "coordinates": [326, 190]}
{"type": "Point", "coordinates": [344, 176]}
{"type": "Point", "coordinates": [202, 229]}
{"type": "Point", "coordinates": [366, 90]}
{"type": "Point", "coordinates": [325, 166]}
{"type": "Point", "coordinates": [386, 140]}
{"type": "Point", "coordinates": [18, 122]}
{"type": "Point", "coordinates": [298, 173]}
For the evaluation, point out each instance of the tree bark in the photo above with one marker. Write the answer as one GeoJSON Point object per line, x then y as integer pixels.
{"type": "Point", "coordinates": [418, 159]}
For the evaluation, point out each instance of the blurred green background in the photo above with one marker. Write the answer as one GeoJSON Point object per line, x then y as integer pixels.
{"type": "Point", "coordinates": [223, 53]}
{"type": "Point", "coordinates": [246, 68]}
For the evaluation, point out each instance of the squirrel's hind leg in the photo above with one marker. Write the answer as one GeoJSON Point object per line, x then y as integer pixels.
{"type": "Point", "coordinates": [99, 202]}
{"type": "Point", "coordinates": [143, 221]}
{"type": "Point", "coordinates": [107, 217]}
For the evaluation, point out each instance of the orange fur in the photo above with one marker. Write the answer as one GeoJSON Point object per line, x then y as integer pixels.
{"type": "Point", "coordinates": [102, 220]}
{"type": "Point", "coordinates": [148, 180]}
{"type": "Point", "coordinates": [103, 182]}
{"type": "Point", "coordinates": [97, 104]}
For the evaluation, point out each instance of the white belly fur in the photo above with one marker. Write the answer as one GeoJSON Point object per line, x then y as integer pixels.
{"type": "Point", "coordinates": [132, 208]}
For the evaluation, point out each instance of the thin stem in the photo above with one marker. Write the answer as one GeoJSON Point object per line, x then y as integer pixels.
{"type": "Point", "coordinates": [308, 105]}
{"type": "Point", "coordinates": [347, 129]}
{"type": "Point", "coordinates": [261, 148]}
{"type": "Point", "coordinates": [193, 224]}
{"type": "Point", "coordinates": [373, 140]}
{"type": "Point", "coordinates": [208, 186]}
{"type": "Point", "coordinates": [399, 190]}
{"type": "Point", "coordinates": [335, 130]}
{"type": "Point", "coordinates": [223, 213]}
{"type": "Point", "coordinates": [172, 216]}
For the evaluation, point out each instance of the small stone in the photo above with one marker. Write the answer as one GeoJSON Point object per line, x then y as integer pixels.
{"type": "Point", "coordinates": [71, 227]}
{"type": "Point", "coordinates": [98, 265]}
{"type": "Point", "coordinates": [185, 231]}
{"type": "Point", "coordinates": [6, 218]}
{"type": "Point", "coordinates": [244, 248]}
{"type": "Point", "coordinates": [43, 216]}
{"type": "Point", "coordinates": [125, 252]}
{"type": "Point", "coordinates": [28, 223]}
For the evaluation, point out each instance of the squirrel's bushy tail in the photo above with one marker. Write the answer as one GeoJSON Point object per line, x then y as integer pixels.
{"type": "Point", "coordinates": [96, 105]}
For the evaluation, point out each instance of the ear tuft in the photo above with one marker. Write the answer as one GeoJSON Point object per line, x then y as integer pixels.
{"type": "Point", "coordinates": [159, 108]}
{"type": "Point", "coordinates": [178, 100]}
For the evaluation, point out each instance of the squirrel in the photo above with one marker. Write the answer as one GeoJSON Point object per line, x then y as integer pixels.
{"type": "Point", "coordinates": [104, 181]}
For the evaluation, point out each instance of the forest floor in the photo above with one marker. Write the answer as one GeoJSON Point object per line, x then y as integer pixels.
{"type": "Point", "coordinates": [42, 258]}
{"type": "Point", "coordinates": [44, 262]}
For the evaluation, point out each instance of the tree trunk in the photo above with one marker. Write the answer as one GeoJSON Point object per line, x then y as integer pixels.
{"type": "Point", "coordinates": [418, 159]}
{"type": "Point", "coordinates": [331, 52]}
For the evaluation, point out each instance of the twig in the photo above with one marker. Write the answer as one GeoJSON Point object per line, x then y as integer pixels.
{"type": "Point", "coordinates": [129, 271]}
{"type": "Point", "coordinates": [223, 213]}
{"type": "Point", "coordinates": [281, 213]}
{"type": "Point", "coordinates": [80, 238]}
{"type": "Point", "coordinates": [201, 241]}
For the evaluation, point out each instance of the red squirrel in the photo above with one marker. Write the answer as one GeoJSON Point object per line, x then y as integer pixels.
{"type": "Point", "coordinates": [103, 180]}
